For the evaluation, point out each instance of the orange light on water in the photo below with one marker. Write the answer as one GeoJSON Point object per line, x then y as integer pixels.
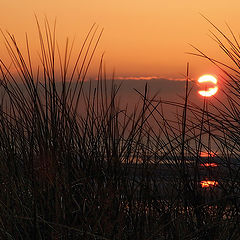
{"type": "Point", "coordinates": [210, 91]}
{"type": "Point", "coordinates": [208, 183]}
{"type": "Point", "coordinates": [208, 165]}
{"type": "Point", "coordinates": [207, 154]}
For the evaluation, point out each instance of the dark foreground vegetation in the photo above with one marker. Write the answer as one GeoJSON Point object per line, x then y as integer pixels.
{"type": "Point", "coordinates": [76, 164]}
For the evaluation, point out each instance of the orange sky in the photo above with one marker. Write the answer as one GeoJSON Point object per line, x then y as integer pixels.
{"type": "Point", "coordinates": [141, 37]}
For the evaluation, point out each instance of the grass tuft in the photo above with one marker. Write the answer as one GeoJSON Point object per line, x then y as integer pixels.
{"type": "Point", "coordinates": [77, 164]}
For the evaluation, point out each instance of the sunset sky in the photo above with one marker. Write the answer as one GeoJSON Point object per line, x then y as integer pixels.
{"type": "Point", "coordinates": [142, 38]}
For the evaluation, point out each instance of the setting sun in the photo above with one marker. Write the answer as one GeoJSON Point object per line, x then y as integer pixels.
{"type": "Point", "coordinates": [207, 80]}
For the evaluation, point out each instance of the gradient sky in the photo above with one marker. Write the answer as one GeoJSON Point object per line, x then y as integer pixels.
{"type": "Point", "coordinates": [141, 38]}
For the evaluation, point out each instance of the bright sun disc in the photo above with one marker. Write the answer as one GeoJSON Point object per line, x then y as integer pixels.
{"type": "Point", "coordinates": [208, 79]}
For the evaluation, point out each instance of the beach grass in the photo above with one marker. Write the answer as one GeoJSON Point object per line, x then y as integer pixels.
{"type": "Point", "coordinates": [77, 164]}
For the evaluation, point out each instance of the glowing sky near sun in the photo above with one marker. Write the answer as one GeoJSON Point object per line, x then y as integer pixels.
{"type": "Point", "coordinates": [141, 37]}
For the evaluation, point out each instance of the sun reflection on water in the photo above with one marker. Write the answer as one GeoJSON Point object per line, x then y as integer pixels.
{"type": "Point", "coordinates": [208, 183]}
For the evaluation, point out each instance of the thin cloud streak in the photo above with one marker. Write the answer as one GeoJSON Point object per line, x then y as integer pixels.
{"type": "Point", "coordinates": [147, 78]}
